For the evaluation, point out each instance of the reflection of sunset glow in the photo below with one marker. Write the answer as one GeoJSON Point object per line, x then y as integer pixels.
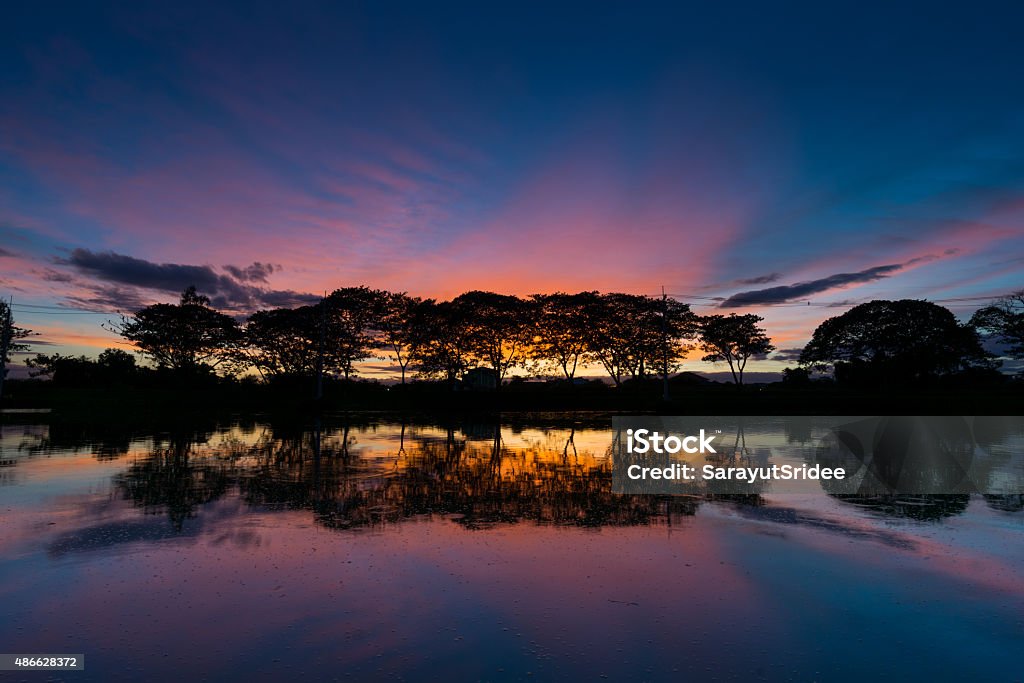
{"type": "Point", "coordinates": [536, 557]}
{"type": "Point", "coordinates": [465, 161]}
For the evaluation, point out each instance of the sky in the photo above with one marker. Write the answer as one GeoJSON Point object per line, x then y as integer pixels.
{"type": "Point", "coordinates": [791, 159]}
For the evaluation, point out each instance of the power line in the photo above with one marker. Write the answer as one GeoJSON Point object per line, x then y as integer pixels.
{"type": "Point", "coordinates": [826, 304]}
{"type": "Point", "coordinates": [50, 306]}
{"type": "Point", "coordinates": [62, 312]}
{"type": "Point", "coordinates": [43, 309]}
{"type": "Point", "coordinates": [39, 309]}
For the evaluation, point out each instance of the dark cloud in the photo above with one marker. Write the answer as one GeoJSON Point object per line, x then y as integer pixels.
{"type": "Point", "coordinates": [257, 272]}
{"type": "Point", "coordinates": [784, 293]}
{"type": "Point", "coordinates": [126, 275]}
{"type": "Point", "coordinates": [760, 279]}
{"type": "Point", "coordinates": [51, 275]}
{"type": "Point", "coordinates": [128, 270]}
{"type": "Point", "coordinates": [787, 355]}
{"type": "Point", "coordinates": [139, 272]}
{"type": "Point", "coordinates": [285, 298]}
{"type": "Point", "coordinates": [6, 253]}
{"type": "Point", "coordinates": [35, 341]}
{"type": "Point", "coordinates": [251, 298]}
{"type": "Point", "coordinates": [109, 298]}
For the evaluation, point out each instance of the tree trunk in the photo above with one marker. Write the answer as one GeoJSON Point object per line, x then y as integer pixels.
{"type": "Point", "coordinates": [735, 380]}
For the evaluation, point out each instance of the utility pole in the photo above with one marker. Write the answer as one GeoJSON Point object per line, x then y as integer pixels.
{"type": "Point", "coordinates": [6, 334]}
{"type": "Point", "coordinates": [320, 349]}
{"type": "Point", "coordinates": [664, 345]}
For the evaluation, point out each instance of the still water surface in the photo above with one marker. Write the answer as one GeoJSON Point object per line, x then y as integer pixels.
{"type": "Point", "coordinates": [372, 548]}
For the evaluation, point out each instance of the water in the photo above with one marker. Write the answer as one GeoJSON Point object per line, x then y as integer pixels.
{"type": "Point", "coordinates": [372, 549]}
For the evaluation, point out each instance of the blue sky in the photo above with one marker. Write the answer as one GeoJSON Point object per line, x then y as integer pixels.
{"type": "Point", "coordinates": [787, 153]}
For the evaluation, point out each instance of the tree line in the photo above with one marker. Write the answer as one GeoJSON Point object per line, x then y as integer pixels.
{"type": "Point", "coordinates": [629, 336]}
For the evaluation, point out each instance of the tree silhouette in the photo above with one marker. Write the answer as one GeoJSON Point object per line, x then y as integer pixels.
{"type": "Point", "coordinates": [894, 341]}
{"type": "Point", "coordinates": [1004, 319]}
{"type": "Point", "coordinates": [636, 335]}
{"type": "Point", "coordinates": [349, 315]}
{"type": "Point", "coordinates": [113, 366]}
{"type": "Point", "coordinates": [283, 341]}
{"type": "Point", "coordinates": [396, 325]}
{"type": "Point", "coordinates": [611, 336]}
{"type": "Point", "coordinates": [9, 333]}
{"type": "Point", "coordinates": [440, 343]}
{"type": "Point", "coordinates": [499, 329]}
{"type": "Point", "coordinates": [117, 362]}
{"type": "Point", "coordinates": [670, 331]}
{"type": "Point", "coordinates": [733, 338]}
{"type": "Point", "coordinates": [186, 337]}
{"type": "Point", "coordinates": [796, 377]}
{"type": "Point", "coordinates": [557, 336]}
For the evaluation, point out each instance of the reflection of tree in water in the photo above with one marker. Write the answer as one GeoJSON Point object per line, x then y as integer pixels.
{"type": "Point", "coordinates": [920, 468]}
{"type": "Point", "coordinates": [481, 482]}
{"type": "Point", "coordinates": [170, 482]}
{"type": "Point", "coordinates": [928, 507]}
{"type": "Point", "coordinates": [8, 475]}
{"type": "Point", "coordinates": [798, 429]}
{"type": "Point", "coordinates": [901, 455]}
{"type": "Point", "coordinates": [1005, 502]}
{"type": "Point", "coordinates": [107, 440]}
{"type": "Point", "coordinates": [738, 455]}
{"type": "Point", "coordinates": [357, 476]}
{"type": "Point", "coordinates": [13, 441]}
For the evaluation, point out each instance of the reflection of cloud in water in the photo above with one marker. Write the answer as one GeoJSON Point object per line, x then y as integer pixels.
{"type": "Point", "coordinates": [777, 514]}
{"type": "Point", "coordinates": [104, 536]}
{"type": "Point", "coordinates": [123, 532]}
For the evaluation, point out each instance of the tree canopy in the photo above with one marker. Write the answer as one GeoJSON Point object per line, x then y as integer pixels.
{"type": "Point", "coordinates": [9, 336]}
{"type": "Point", "coordinates": [283, 341]}
{"type": "Point", "coordinates": [498, 329]}
{"type": "Point", "coordinates": [113, 366]}
{"type": "Point", "coordinates": [894, 341]}
{"type": "Point", "coordinates": [635, 335]}
{"type": "Point", "coordinates": [630, 336]}
{"type": "Point", "coordinates": [1004, 320]}
{"type": "Point", "coordinates": [441, 344]}
{"type": "Point", "coordinates": [557, 324]}
{"type": "Point", "coordinates": [735, 339]}
{"type": "Point", "coordinates": [188, 336]}
{"type": "Point", "coordinates": [396, 324]}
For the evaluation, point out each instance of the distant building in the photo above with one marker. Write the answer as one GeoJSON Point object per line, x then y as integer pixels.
{"type": "Point", "coordinates": [480, 379]}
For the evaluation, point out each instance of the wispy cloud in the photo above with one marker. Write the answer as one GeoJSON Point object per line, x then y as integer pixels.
{"type": "Point", "coordinates": [760, 279]}
{"type": "Point", "coordinates": [257, 272]}
{"type": "Point", "coordinates": [799, 290]}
